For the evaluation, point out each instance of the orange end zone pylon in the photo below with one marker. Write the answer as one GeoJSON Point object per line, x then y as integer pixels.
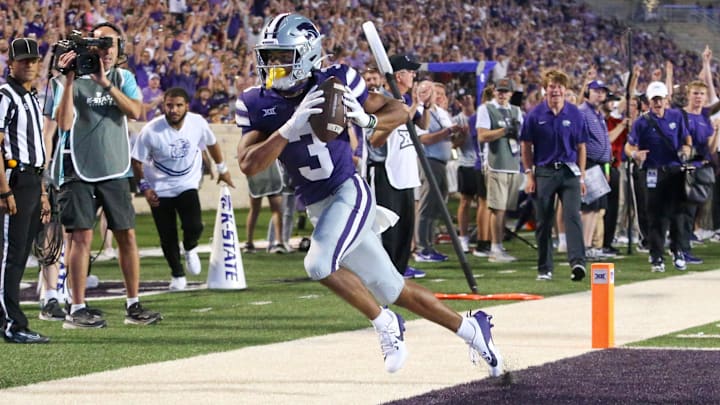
{"type": "Point", "coordinates": [489, 297]}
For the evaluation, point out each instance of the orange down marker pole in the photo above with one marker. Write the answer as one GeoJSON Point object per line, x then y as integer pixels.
{"type": "Point", "coordinates": [603, 305]}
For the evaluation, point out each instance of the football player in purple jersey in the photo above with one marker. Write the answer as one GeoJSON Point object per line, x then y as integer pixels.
{"type": "Point", "coordinates": [345, 253]}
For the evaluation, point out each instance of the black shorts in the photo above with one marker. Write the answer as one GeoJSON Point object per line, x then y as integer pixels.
{"type": "Point", "coordinates": [471, 182]}
{"type": "Point", "coordinates": [79, 200]}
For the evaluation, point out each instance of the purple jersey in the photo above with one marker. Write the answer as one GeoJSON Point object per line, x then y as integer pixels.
{"type": "Point", "coordinates": [316, 168]}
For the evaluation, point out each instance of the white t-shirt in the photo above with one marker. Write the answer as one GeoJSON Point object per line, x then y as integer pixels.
{"type": "Point", "coordinates": [172, 159]}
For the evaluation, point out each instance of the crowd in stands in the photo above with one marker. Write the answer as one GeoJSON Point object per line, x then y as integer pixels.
{"type": "Point", "coordinates": [206, 47]}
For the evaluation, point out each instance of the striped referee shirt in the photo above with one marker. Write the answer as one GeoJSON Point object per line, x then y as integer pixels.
{"type": "Point", "coordinates": [22, 122]}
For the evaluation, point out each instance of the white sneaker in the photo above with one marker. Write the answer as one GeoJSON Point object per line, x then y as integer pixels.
{"type": "Point", "coordinates": [481, 344]}
{"type": "Point", "coordinates": [107, 254]}
{"type": "Point", "coordinates": [177, 284]}
{"type": "Point", "coordinates": [562, 248]}
{"type": "Point", "coordinates": [192, 262]}
{"type": "Point", "coordinates": [501, 257]}
{"type": "Point", "coordinates": [464, 242]}
{"type": "Point", "coordinates": [392, 343]}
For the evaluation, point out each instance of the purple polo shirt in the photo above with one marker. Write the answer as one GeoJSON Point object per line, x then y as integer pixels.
{"type": "Point", "coordinates": [598, 140]}
{"type": "Point", "coordinates": [646, 137]}
{"type": "Point", "coordinates": [555, 138]}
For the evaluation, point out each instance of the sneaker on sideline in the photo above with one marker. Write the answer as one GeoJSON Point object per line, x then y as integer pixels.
{"type": "Point", "coordinates": [657, 265]}
{"type": "Point", "coordinates": [679, 261]}
{"type": "Point", "coordinates": [692, 259]}
{"type": "Point", "coordinates": [544, 276]}
{"type": "Point", "coordinates": [93, 311]}
{"type": "Point", "coordinates": [278, 248]}
{"type": "Point", "coordinates": [137, 315]}
{"type": "Point", "coordinates": [412, 272]}
{"type": "Point", "coordinates": [52, 311]}
{"type": "Point", "coordinates": [429, 256]}
{"type": "Point", "coordinates": [249, 247]}
{"type": "Point", "coordinates": [392, 343]}
{"type": "Point", "coordinates": [562, 248]}
{"type": "Point", "coordinates": [84, 319]}
{"type": "Point", "coordinates": [481, 252]}
{"type": "Point", "coordinates": [704, 234]}
{"type": "Point", "coordinates": [24, 335]}
{"type": "Point", "coordinates": [578, 272]}
{"type": "Point", "coordinates": [715, 238]}
{"type": "Point", "coordinates": [192, 261]}
{"type": "Point", "coordinates": [465, 243]}
{"type": "Point", "coordinates": [482, 346]}
{"type": "Point", "coordinates": [177, 284]}
{"type": "Point", "coordinates": [610, 251]}
{"type": "Point", "coordinates": [501, 257]}
{"type": "Point", "coordinates": [107, 254]}
{"type": "Point", "coordinates": [592, 254]}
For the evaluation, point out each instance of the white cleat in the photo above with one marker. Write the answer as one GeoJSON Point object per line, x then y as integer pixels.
{"type": "Point", "coordinates": [392, 343]}
{"type": "Point", "coordinates": [481, 344]}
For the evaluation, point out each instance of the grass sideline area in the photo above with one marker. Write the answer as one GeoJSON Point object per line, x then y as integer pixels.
{"type": "Point", "coordinates": [280, 304]}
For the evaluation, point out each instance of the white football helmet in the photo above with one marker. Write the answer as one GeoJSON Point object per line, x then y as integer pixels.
{"type": "Point", "coordinates": [289, 32]}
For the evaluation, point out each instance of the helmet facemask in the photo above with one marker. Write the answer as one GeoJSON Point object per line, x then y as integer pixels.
{"type": "Point", "coordinates": [288, 33]}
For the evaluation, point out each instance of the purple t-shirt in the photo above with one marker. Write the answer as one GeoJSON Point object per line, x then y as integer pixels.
{"type": "Point", "coordinates": [316, 168]}
{"type": "Point", "coordinates": [701, 130]}
{"type": "Point", "coordinates": [555, 138]}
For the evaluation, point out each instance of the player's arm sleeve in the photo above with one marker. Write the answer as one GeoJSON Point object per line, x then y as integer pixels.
{"type": "Point", "coordinates": [356, 84]}
{"type": "Point", "coordinates": [242, 115]}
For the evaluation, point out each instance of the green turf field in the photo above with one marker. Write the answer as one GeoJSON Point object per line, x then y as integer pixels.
{"type": "Point", "coordinates": [280, 304]}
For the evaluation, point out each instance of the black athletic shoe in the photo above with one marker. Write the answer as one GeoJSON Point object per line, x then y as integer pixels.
{"type": "Point", "coordinates": [83, 319]}
{"type": "Point", "coordinates": [24, 335]}
{"type": "Point", "coordinates": [137, 315]}
{"type": "Point", "coordinates": [93, 311]}
{"type": "Point", "coordinates": [52, 311]}
{"type": "Point", "coordinates": [578, 272]}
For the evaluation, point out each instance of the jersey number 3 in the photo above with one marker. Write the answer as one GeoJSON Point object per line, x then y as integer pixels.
{"type": "Point", "coordinates": [317, 149]}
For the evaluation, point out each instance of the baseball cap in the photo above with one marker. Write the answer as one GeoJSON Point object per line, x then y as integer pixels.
{"type": "Point", "coordinates": [598, 85]}
{"type": "Point", "coordinates": [504, 84]}
{"type": "Point", "coordinates": [24, 48]}
{"type": "Point", "coordinates": [656, 89]}
{"type": "Point", "coordinates": [153, 76]}
{"type": "Point", "coordinates": [403, 62]}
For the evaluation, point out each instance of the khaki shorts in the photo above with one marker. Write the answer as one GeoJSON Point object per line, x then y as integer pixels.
{"type": "Point", "coordinates": [79, 200]}
{"type": "Point", "coordinates": [503, 190]}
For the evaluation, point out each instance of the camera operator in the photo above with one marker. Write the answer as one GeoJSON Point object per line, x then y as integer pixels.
{"type": "Point", "coordinates": [91, 161]}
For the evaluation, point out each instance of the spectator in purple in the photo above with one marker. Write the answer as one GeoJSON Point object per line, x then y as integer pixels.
{"type": "Point", "coordinates": [219, 95]}
{"type": "Point", "coordinates": [152, 97]}
{"type": "Point", "coordinates": [143, 66]}
{"type": "Point", "coordinates": [36, 26]}
{"type": "Point", "coordinates": [200, 104]}
{"type": "Point", "coordinates": [184, 78]}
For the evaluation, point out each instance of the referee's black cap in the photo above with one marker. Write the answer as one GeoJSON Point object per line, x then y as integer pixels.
{"type": "Point", "coordinates": [24, 48]}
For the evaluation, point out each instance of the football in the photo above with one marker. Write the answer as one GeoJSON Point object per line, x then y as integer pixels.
{"type": "Point", "coordinates": [331, 121]}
